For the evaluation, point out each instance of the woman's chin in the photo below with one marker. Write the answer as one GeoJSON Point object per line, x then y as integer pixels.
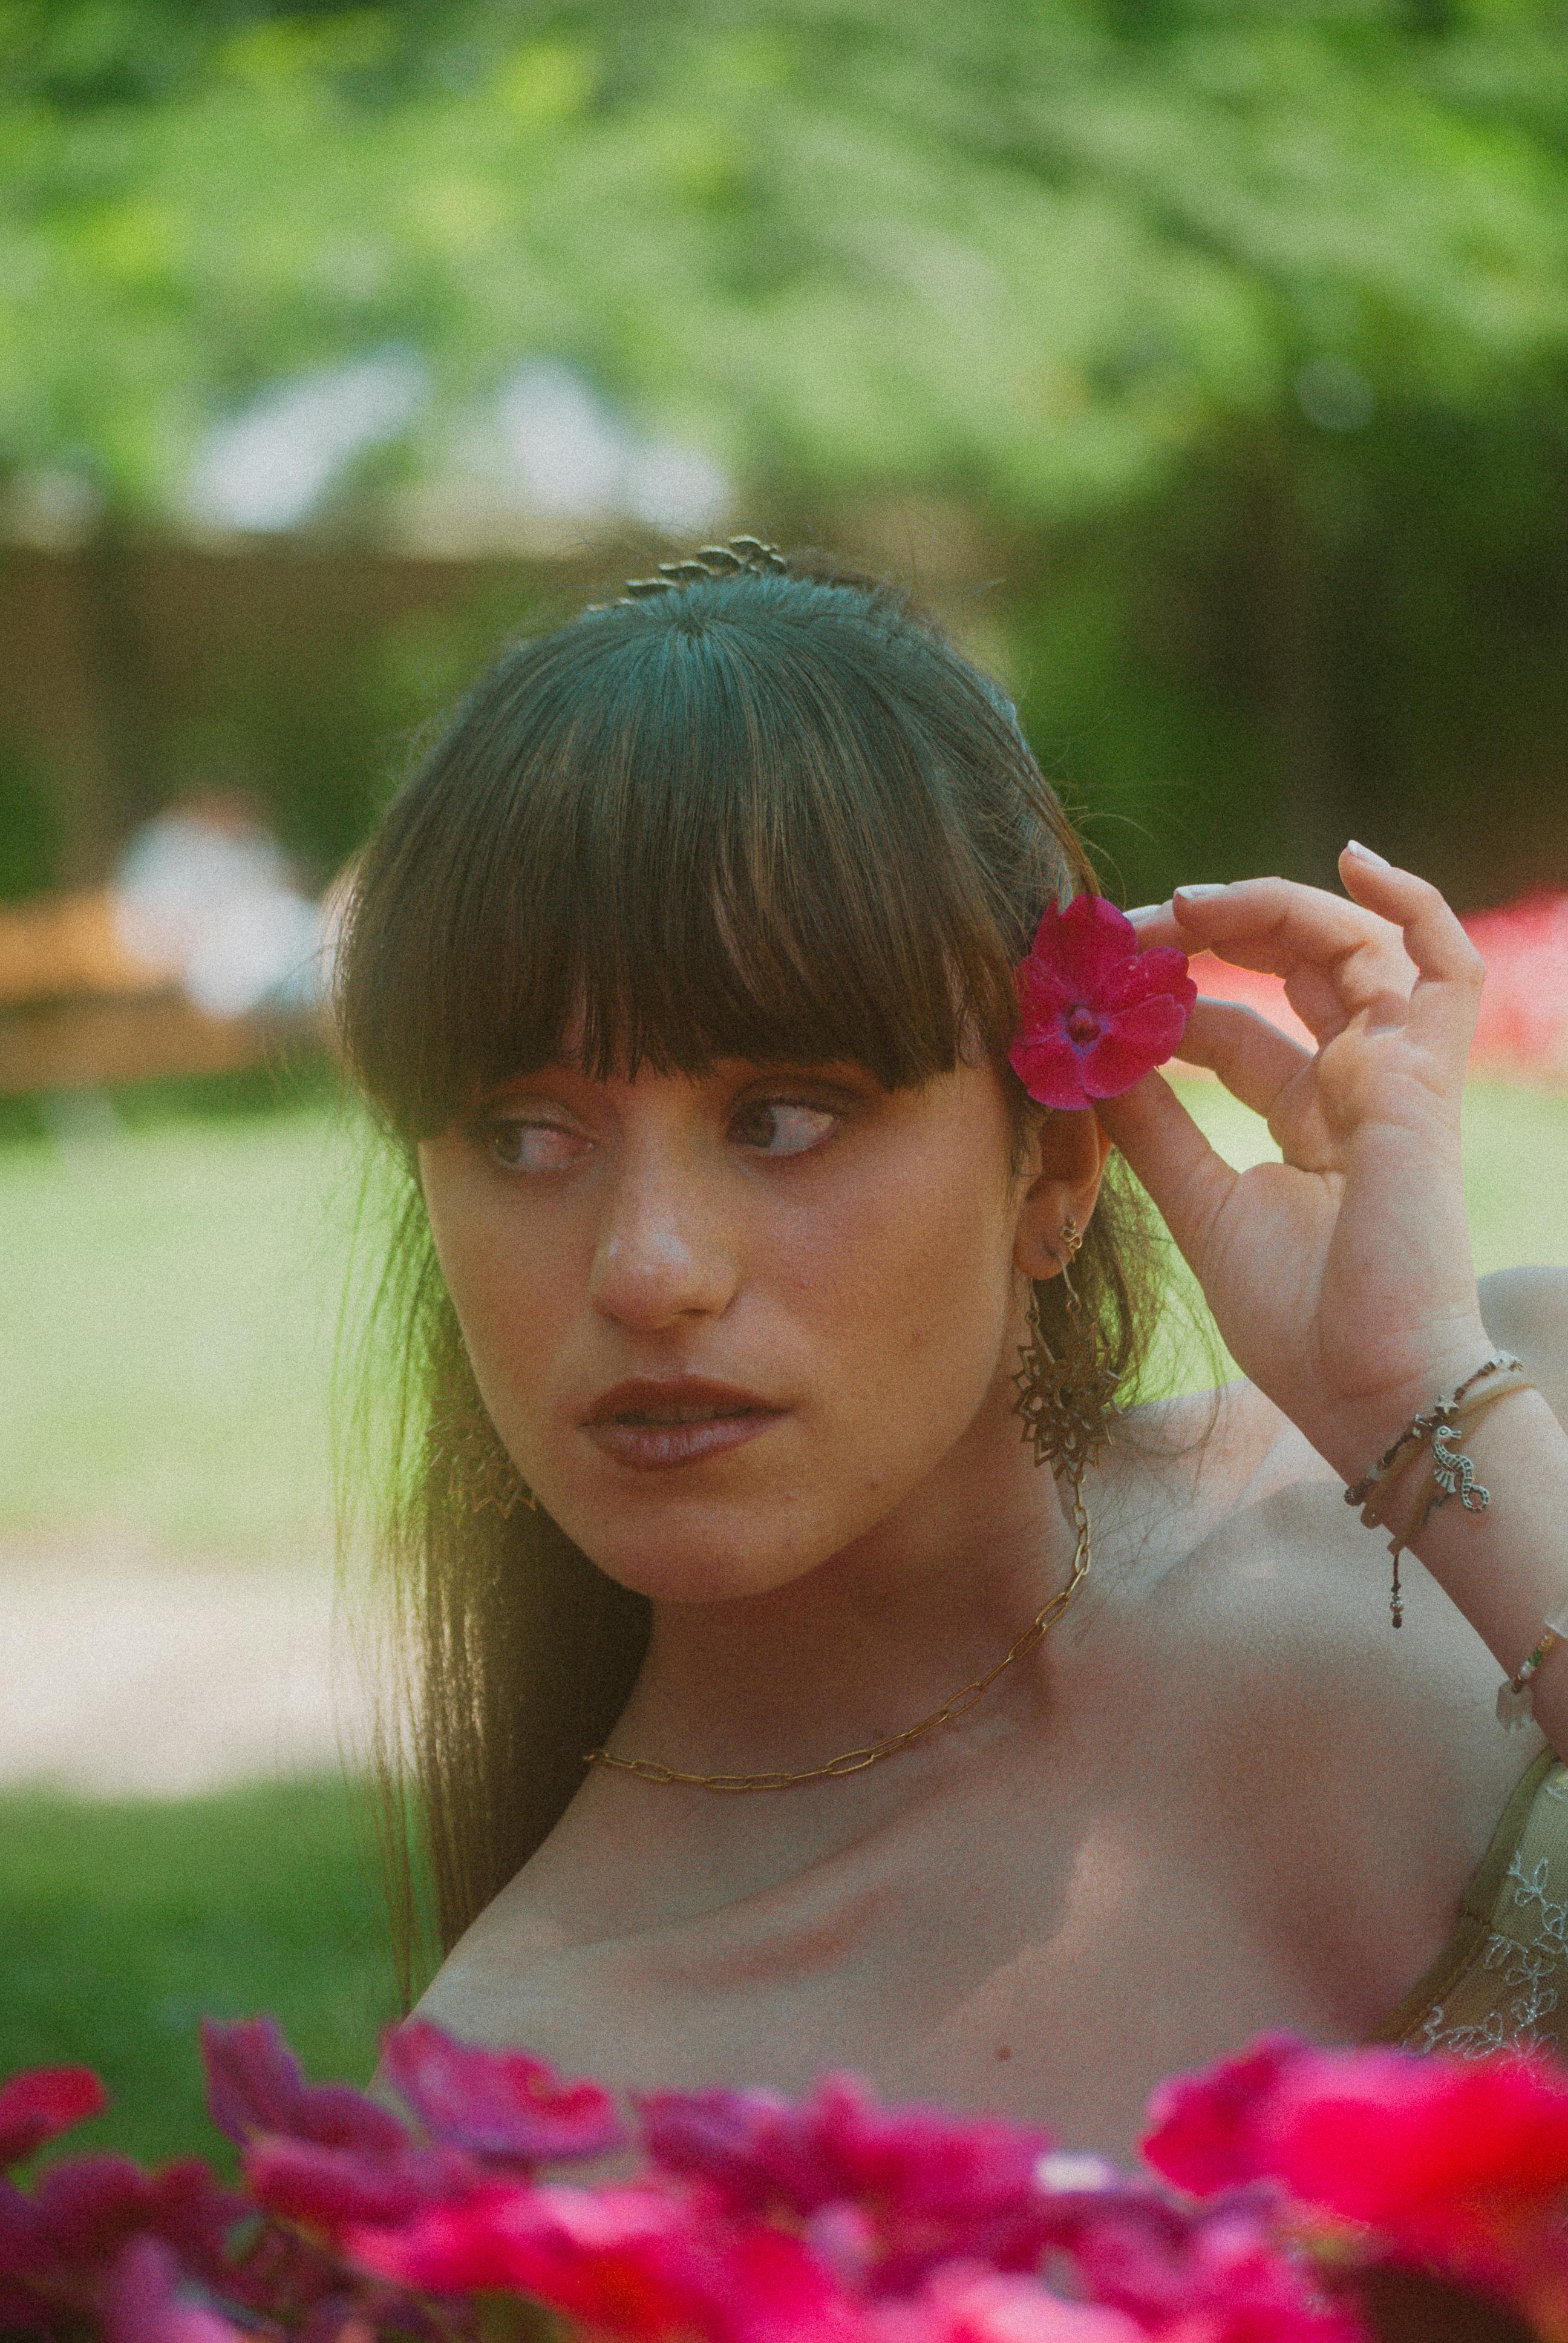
{"type": "Point", "coordinates": [707, 1554]}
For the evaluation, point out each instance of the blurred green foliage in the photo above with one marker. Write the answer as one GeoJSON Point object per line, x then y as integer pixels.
{"type": "Point", "coordinates": [1233, 334]}
{"type": "Point", "coordinates": [1037, 251]}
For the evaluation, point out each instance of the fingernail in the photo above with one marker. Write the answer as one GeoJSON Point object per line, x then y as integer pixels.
{"type": "Point", "coordinates": [1208, 886]}
{"type": "Point", "coordinates": [1143, 912]}
{"type": "Point", "coordinates": [1354, 845]}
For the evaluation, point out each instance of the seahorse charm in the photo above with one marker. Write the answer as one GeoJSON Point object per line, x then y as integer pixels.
{"type": "Point", "coordinates": [1455, 1473]}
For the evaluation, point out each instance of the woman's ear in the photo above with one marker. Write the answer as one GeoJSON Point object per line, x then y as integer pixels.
{"type": "Point", "coordinates": [1067, 1158]}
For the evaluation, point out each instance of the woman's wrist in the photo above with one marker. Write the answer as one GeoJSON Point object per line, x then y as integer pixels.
{"type": "Point", "coordinates": [1357, 1432]}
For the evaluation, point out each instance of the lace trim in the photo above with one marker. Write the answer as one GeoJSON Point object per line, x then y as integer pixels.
{"type": "Point", "coordinates": [1529, 1967]}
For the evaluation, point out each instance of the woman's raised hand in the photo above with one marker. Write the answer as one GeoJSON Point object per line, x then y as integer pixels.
{"type": "Point", "coordinates": [1342, 1278]}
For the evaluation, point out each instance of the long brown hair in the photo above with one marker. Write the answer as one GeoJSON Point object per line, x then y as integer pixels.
{"type": "Point", "coordinates": [767, 814]}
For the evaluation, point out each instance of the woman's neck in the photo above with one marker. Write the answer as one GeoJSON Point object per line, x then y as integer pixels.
{"type": "Point", "coordinates": [873, 1639]}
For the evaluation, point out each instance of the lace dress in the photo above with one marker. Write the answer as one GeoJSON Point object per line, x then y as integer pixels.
{"type": "Point", "coordinates": [1500, 1981]}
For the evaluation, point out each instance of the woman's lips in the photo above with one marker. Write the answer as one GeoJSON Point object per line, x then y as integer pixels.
{"type": "Point", "coordinates": [651, 1425]}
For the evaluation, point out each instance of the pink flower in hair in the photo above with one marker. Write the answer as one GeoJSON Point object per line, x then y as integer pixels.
{"type": "Point", "coordinates": [1095, 1013]}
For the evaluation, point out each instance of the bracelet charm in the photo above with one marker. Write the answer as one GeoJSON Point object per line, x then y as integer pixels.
{"type": "Point", "coordinates": [1435, 1429]}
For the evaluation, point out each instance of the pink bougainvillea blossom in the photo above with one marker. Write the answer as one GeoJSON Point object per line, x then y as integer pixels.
{"type": "Point", "coordinates": [144, 2301]}
{"type": "Point", "coordinates": [1217, 2266]}
{"type": "Point", "coordinates": [500, 2104]}
{"type": "Point", "coordinates": [964, 2304]}
{"type": "Point", "coordinates": [1095, 1014]}
{"type": "Point", "coordinates": [256, 2084]}
{"type": "Point", "coordinates": [334, 2189]}
{"type": "Point", "coordinates": [1332, 2197]}
{"type": "Point", "coordinates": [636, 2262]}
{"type": "Point", "coordinates": [1459, 2164]}
{"type": "Point", "coordinates": [41, 2104]}
{"type": "Point", "coordinates": [895, 2188]}
{"type": "Point", "coordinates": [59, 2243]}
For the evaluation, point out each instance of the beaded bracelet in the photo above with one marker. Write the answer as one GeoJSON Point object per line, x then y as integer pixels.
{"type": "Point", "coordinates": [1453, 1473]}
{"type": "Point", "coordinates": [1516, 1698]}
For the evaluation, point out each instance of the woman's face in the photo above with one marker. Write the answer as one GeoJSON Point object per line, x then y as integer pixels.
{"type": "Point", "coordinates": [725, 1324]}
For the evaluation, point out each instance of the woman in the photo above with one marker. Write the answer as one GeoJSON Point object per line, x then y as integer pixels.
{"type": "Point", "coordinates": [683, 971]}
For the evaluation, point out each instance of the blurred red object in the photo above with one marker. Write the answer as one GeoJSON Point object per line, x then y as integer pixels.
{"type": "Point", "coordinates": [1522, 1033]}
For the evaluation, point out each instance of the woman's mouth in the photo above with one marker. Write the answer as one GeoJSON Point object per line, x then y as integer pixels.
{"type": "Point", "coordinates": [650, 1425]}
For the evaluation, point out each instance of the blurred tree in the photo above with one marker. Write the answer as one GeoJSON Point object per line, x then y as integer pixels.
{"type": "Point", "coordinates": [1182, 299]}
{"type": "Point", "coordinates": [1039, 255]}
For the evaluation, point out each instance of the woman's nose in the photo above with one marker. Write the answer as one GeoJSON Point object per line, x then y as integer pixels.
{"type": "Point", "coordinates": [665, 1251]}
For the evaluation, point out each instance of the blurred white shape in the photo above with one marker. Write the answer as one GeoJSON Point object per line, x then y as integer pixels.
{"type": "Point", "coordinates": [268, 466]}
{"type": "Point", "coordinates": [562, 454]}
{"type": "Point", "coordinates": [564, 448]}
{"type": "Point", "coordinates": [1335, 395]}
{"type": "Point", "coordinates": [207, 893]}
{"type": "Point", "coordinates": [1062, 2170]}
{"type": "Point", "coordinates": [128, 1677]}
{"type": "Point", "coordinates": [267, 948]}
{"type": "Point", "coordinates": [677, 488]}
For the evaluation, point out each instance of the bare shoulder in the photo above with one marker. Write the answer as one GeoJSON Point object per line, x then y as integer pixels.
{"type": "Point", "coordinates": [1272, 1615]}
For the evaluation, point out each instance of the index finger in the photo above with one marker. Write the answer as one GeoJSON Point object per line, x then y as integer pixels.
{"type": "Point", "coordinates": [1275, 925]}
{"type": "Point", "coordinates": [1450, 972]}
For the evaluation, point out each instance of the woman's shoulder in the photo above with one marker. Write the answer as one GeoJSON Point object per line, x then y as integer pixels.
{"type": "Point", "coordinates": [1264, 1602]}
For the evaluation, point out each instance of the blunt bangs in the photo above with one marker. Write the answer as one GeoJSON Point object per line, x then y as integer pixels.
{"type": "Point", "coordinates": [771, 817]}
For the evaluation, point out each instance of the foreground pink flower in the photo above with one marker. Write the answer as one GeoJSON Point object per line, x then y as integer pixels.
{"type": "Point", "coordinates": [332, 2190]}
{"type": "Point", "coordinates": [1216, 2273]}
{"type": "Point", "coordinates": [256, 2084]}
{"type": "Point", "coordinates": [884, 2192]}
{"type": "Point", "coordinates": [1459, 2163]}
{"type": "Point", "coordinates": [642, 2264]}
{"type": "Point", "coordinates": [979, 2306]}
{"type": "Point", "coordinates": [1095, 1014]}
{"type": "Point", "coordinates": [41, 2104]}
{"type": "Point", "coordinates": [144, 2301]}
{"type": "Point", "coordinates": [500, 2104]}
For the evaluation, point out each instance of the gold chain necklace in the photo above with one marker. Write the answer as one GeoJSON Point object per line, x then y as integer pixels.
{"type": "Point", "coordinates": [855, 1760]}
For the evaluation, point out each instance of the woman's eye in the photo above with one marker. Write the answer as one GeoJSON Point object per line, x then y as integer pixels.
{"type": "Point", "coordinates": [782, 1126]}
{"type": "Point", "coordinates": [531, 1146]}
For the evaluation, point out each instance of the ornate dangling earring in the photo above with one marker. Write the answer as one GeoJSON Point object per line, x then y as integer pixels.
{"type": "Point", "coordinates": [1066, 1401]}
{"type": "Point", "coordinates": [478, 1469]}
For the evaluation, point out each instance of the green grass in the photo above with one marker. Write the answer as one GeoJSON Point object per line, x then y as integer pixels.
{"type": "Point", "coordinates": [166, 1347]}
{"type": "Point", "coordinates": [122, 1924]}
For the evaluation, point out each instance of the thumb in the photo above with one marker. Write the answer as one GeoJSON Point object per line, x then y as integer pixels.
{"type": "Point", "coordinates": [1188, 1181]}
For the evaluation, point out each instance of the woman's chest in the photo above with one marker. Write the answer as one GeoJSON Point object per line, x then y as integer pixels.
{"type": "Point", "coordinates": [1055, 1971]}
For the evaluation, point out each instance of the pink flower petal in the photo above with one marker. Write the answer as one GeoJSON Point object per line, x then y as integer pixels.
{"type": "Point", "coordinates": [1206, 2130]}
{"type": "Point", "coordinates": [143, 2303]}
{"type": "Point", "coordinates": [930, 2183]}
{"type": "Point", "coordinates": [39, 2105]}
{"type": "Point", "coordinates": [633, 2262]}
{"type": "Point", "coordinates": [1161, 969]}
{"type": "Point", "coordinates": [334, 2189]}
{"type": "Point", "coordinates": [1095, 1013]}
{"type": "Point", "coordinates": [498, 2103]}
{"type": "Point", "coordinates": [1088, 941]}
{"type": "Point", "coordinates": [256, 2084]}
{"type": "Point", "coordinates": [1051, 1072]}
